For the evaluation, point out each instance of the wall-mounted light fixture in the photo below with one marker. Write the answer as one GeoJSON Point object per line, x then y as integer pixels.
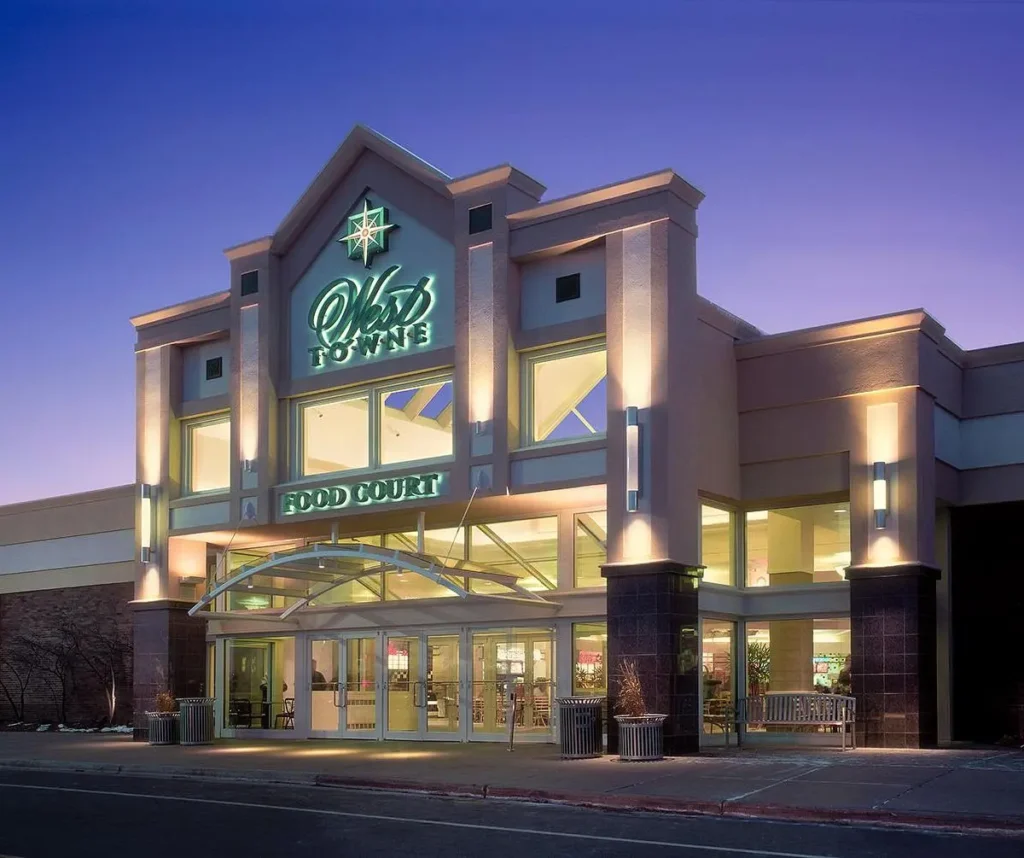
{"type": "Point", "coordinates": [632, 458]}
{"type": "Point", "coordinates": [146, 522]}
{"type": "Point", "coordinates": [880, 494]}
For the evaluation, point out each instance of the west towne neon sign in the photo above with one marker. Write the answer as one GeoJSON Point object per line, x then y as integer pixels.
{"type": "Point", "coordinates": [342, 496]}
{"type": "Point", "coordinates": [381, 313]}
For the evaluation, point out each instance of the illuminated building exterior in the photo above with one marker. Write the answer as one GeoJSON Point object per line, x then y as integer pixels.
{"type": "Point", "coordinates": [438, 436]}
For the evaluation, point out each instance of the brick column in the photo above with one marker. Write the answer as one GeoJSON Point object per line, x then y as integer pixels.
{"type": "Point", "coordinates": [170, 655]}
{"type": "Point", "coordinates": [652, 620]}
{"type": "Point", "coordinates": [893, 654]}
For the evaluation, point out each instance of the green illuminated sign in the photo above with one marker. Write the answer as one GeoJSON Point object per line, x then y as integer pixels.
{"type": "Point", "coordinates": [364, 318]}
{"type": "Point", "coordinates": [367, 233]}
{"type": "Point", "coordinates": [368, 493]}
{"type": "Point", "coordinates": [378, 314]}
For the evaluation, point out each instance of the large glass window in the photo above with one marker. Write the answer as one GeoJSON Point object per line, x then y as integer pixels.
{"type": "Point", "coordinates": [441, 542]}
{"type": "Point", "coordinates": [526, 548]}
{"type": "Point", "coordinates": [717, 538]}
{"type": "Point", "coordinates": [590, 548]}
{"type": "Point", "coordinates": [384, 425]}
{"type": "Point", "coordinates": [416, 423]}
{"type": "Point", "coordinates": [208, 455]}
{"type": "Point", "coordinates": [717, 648]}
{"type": "Point", "coordinates": [335, 435]}
{"type": "Point", "coordinates": [568, 397]}
{"type": "Point", "coordinates": [261, 683]}
{"type": "Point", "coordinates": [799, 656]}
{"type": "Point", "coordinates": [590, 659]}
{"type": "Point", "coordinates": [801, 545]}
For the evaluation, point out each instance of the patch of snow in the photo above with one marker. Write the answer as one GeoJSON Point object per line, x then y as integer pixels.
{"type": "Point", "coordinates": [42, 728]}
{"type": "Point", "coordinates": [63, 729]}
{"type": "Point", "coordinates": [121, 729]}
{"type": "Point", "coordinates": [15, 723]}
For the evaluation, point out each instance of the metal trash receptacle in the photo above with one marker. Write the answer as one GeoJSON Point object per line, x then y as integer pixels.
{"type": "Point", "coordinates": [196, 720]}
{"type": "Point", "coordinates": [580, 727]}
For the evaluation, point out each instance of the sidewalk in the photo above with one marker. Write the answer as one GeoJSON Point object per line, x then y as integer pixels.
{"type": "Point", "coordinates": [959, 789]}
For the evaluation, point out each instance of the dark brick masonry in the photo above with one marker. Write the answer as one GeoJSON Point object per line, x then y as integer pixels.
{"type": "Point", "coordinates": [29, 623]}
{"type": "Point", "coordinates": [652, 620]}
{"type": "Point", "coordinates": [892, 619]}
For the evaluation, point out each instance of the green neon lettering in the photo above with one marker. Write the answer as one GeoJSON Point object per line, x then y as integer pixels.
{"type": "Point", "coordinates": [378, 490]}
{"type": "Point", "coordinates": [369, 344]}
{"type": "Point", "coordinates": [386, 490]}
{"type": "Point", "coordinates": [428, 484]}
{"type": "Point", "coordinates": [412, 487]}
{"type": "Point", "coordinates": [338, 496]}
{"type": "Point", "coordinates": [347, 312]}
{"type": "Point", "coordinates": [288, 503]}
{"type": "Point", "coordinates": [359, 491]}
{"type": "Point", "coordinates": [303, 501]}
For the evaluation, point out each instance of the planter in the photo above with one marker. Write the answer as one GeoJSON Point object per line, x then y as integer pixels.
{"type": "Point", "coordinates": [163, 728]}
{"type": "Point", "coordinates": [641, 737]}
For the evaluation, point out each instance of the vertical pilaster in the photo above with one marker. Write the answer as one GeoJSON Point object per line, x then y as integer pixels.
{"type": "Point", "coordinates": [893, 613]}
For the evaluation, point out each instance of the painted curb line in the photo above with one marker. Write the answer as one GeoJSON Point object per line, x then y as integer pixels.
{"type": "Point", "coordinates": [596, 801]}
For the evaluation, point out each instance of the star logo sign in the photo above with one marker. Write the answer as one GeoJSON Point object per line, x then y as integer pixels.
{"type": "Point", "coordinates": [367, 233]}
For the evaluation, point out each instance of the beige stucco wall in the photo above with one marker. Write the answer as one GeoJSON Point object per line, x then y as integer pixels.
{"type": "Point", "coordinates": [76, 528]}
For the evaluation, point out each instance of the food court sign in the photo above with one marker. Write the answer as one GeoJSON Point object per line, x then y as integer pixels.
{"type": "Point", "coordinates": [369, 316]}
{"type": "Point", "coordinates": [365, 493]}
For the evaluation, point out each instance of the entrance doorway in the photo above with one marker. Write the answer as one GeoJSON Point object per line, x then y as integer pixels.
{"type": "Point", "coordinates": [448, 685]}
{"type": "Point", "coordinates": [344, 687]}
{"type": "Point", "coordinates": [422, 686]}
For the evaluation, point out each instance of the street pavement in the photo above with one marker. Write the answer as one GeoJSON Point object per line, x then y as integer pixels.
{"type": "Point", "coordinates": [967, 788]}
{"type": "Point", "coordinates": [54, 815]}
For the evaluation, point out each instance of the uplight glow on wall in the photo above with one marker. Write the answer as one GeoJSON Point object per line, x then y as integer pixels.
{"type": "Point", "coordinates": [632, 458]}
{"type": "Point", "coordinates": [880, 494]}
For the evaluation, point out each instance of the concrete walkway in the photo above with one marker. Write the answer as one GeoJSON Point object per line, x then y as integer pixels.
{"type": "Point", "coordinates": [946, 788]}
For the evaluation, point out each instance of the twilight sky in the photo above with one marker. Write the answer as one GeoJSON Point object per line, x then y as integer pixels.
{"type": "Point", "coordinates": [859, 157]}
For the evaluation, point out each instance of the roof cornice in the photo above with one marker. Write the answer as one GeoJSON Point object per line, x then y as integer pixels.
{"type": "Point", "coordinates": [608, 194]}
{"type": "Point", "coordinates": [187, 308]}
{"type": "Point", "coordinates": [504, 174]}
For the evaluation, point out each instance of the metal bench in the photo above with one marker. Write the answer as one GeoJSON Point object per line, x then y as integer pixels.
{"type": "Point", "coordinates": [799, 710]}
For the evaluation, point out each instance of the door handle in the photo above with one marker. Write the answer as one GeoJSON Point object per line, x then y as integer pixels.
{"type": "Point", "coordinates": [419, 694]}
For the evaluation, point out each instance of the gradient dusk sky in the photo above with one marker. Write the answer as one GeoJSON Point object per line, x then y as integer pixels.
{"type": "Point", "coordinates": [859, 157]}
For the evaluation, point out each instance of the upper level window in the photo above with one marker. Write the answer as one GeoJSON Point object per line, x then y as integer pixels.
{"type": "Point", "coordinates": [567, 395]}
{"type": "Point", "coordinates": [376, 426]}
{"type": "Point", "coordinates": [207, 455]}
{"type": "Point", "coordinates": [800, 545]}
{"type": "Point", "coordinates": [717, 539]}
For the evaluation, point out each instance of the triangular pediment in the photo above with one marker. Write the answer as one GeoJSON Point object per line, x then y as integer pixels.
{"type": "Point", "coordinates": [360, 141]}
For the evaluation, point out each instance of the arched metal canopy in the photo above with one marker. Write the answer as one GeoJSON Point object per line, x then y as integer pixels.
{"type": "Point", "coordinates": [323, 566]}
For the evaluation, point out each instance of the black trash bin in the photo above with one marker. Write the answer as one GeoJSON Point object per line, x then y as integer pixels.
{"type": "Point", "coordinates": [580, 727]}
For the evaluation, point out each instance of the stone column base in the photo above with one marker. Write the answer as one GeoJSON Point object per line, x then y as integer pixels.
{"type": "Point", "coordinates": [652, 621]}
{"type": "Point", "coordinates": [170, 655]}
{"type": "Point", "coordinates": [893, 654]}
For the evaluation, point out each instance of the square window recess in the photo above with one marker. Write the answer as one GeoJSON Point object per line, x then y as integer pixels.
{"type": "Point", "coordinates": [567, 288]}
{"type": "Point", "coordinates": [480, 219]}
{"type": "Point", "coordinates": [250, 283]}
{"type": "Point", "coordinates": [214, 368]}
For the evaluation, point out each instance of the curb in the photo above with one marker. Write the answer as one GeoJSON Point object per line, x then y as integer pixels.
{"type": "Point", "coordinates": [596, 801]}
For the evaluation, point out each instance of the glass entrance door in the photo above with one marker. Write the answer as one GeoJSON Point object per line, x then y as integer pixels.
{"type": "Point", "coordinates": [421, 686]}
{"type": "Point", "coordinates": [344, 687]}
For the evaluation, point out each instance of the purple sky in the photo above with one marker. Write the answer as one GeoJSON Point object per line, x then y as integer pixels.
{"type": "Point", "coordinates": [858, 158]}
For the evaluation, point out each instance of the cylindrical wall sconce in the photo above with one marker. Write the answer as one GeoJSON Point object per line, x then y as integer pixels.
{"type": "Point", "coordinates": [632, 458]}
{"type": "Point", "coordinates": [880, 494]}
{"type": "Point", "coordinates": [146, 522]}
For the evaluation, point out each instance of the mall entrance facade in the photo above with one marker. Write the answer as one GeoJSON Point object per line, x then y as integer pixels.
{"type": "Point", "coordinates": [439, 441]}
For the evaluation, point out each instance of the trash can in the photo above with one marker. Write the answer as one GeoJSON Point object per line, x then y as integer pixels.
{"type": "Point", "coordinates": [196, 720]}
{"type": "Point", "coordinates": [580, 726]}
